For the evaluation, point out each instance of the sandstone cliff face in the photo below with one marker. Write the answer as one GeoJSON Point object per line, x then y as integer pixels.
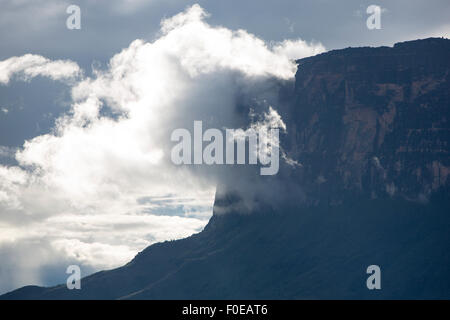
{"type": "Point", "coordinates": [373, 121]}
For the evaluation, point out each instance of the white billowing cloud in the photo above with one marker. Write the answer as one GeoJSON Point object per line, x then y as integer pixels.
{"type": "Point", "coordinates": [99, 188]}
{"type": "Point", "coordinates": [31, 65]}
{"type": "Point", "coordinates": [267, 121]}
{"type": "Point", "coordinates": [11, 185]}
{"type": "Point", "coordinates": [297, 49]}
{"type": "Point", "coordinates": [221, 48]}
{"type": "Point", "coordinates": [102, 241]}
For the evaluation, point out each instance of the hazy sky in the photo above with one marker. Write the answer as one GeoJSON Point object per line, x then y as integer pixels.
{"type": "Point", "coordinates": [94, 188]}
{"type": "Point", "coordinates": [110, 25]}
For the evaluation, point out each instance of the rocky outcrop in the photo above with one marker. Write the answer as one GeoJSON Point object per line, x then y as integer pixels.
{"type": "Point", "coordinates": [373, 121]}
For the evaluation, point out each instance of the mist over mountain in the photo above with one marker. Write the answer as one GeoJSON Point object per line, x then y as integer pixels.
{"type": "Point", "coordinates": [366, 183]}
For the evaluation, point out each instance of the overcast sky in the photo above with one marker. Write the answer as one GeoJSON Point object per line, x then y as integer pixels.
{"type": "Point", "coordinates": [92, 189]}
